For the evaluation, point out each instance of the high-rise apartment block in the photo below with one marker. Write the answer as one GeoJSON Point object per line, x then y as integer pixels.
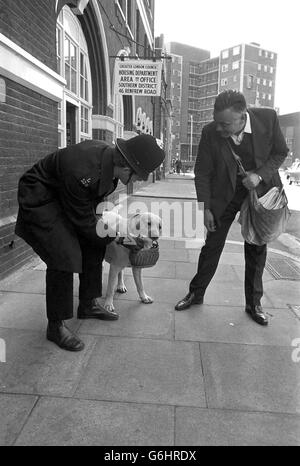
{"type": "Point", "coordinates": [183, 58]}
{"type": "Point", "coordinates": [251, 70]}
{"type": "Point", "coordinates": [195, 79]}
{"type": "Point", "coordinates": [202, 90]}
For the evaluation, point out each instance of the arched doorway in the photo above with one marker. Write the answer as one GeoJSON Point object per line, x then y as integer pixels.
{"type": "Point", "coordinates": [75, 110]}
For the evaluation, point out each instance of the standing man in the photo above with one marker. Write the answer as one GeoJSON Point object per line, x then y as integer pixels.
{"type": "Point", "coordinates": [255, 136]}
{"type": "Point", "coordinates": [178, 165]}
{"type": "Point", "coordinates": [57, 217]}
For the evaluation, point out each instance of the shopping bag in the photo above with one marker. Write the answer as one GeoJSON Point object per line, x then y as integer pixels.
{"type": "Point", "coordinates": [264, 218]}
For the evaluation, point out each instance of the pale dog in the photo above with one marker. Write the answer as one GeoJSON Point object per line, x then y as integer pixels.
{"type": "Point", "coordinates": [143, 225]}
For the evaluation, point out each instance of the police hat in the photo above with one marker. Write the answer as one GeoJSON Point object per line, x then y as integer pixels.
{"type": "Point", "coordinates": [142, 153]}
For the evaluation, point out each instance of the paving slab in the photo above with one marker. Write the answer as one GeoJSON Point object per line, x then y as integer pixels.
{"type": "Point", "coordinates": [27, 311]}
{"type": "Point", "coordinates": [283, 292]}
{"type": "Point", "coordinates": [251, 378]}
{"type": "Point", "coordinates": [172, 189]}
{"type": "Point", "coordinates": [37, 366]}
{"type": "Point", "coordinates": [167, 243]}
{"type": "Point", "coordinates": [162, 268]}
{"type": "Point", "coordinates": [206, 427]}
{"type": "Point", "coordinates": [71, 422]}
{"type": "Point", "coordinates": [193, 256]}
{"type": "Point", "coordinates": [224, 273]}
{"type": "Point", "coordinates": [170, 291]}
{"type": "Point", "coordinates": [232, 258]}
{"type": "Point", "coordinates": [136, 320]}
{"type": "Point", "coordinates": [193, 243]}
{"type": "Point", "coordinates": [209, 323]}
{"type": "Point", "coordinates": [30, 281]}
{"type": "Point", "coordinates": [182, 255]}
{"type": "Point", "coordinates": [14, 410]}
{"type": "Point", "coordinates": [162, 290]}
{"type": "Point", "coordinates": [144, 371]}
{"type": "Point", "coordinates": [229, 294]}
{"type": "Point", "coordinates": [240, 273]}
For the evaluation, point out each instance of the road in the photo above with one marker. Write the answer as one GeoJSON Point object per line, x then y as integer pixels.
{"type": "Point", "coordinates": [288, 242]}
{"type": "Point", "coordinates": [293, 195]}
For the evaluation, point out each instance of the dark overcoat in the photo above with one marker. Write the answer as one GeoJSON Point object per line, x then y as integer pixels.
{"type": "Point", "coordinates": [58, 197]}
{"type": "Point", "coordinates": [216, 169]}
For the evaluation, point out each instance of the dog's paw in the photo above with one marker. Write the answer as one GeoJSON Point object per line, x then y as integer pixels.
{"type": "Point", "coordinates": [109, 307]}
{"type": "Point", "coordinates": [121, 289]}
{"type": "Point", "coordinates": [146, 299]}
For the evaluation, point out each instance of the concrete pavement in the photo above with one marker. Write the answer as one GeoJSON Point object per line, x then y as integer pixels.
{"type": "Point", "coordinates": [156, 377]}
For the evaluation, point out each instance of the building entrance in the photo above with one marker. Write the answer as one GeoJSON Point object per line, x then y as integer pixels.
{"type": "Point", "coordinates": [70, 124]}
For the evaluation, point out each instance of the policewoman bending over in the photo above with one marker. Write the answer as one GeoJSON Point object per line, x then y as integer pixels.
{"type": "Point", "coordinates": [57, 217]}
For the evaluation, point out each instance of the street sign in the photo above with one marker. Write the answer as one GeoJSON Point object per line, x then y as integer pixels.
{"type": "Point", "coordinates": [138, 77]}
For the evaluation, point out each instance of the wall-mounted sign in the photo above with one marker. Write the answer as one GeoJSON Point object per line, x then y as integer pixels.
{"type": "Point", "coordinates": [2, 91]}
{"type": "Point", "coordinates": [138, 77]}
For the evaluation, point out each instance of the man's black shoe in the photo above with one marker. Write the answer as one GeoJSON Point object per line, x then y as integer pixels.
{"type": "Point", "coordinates": [58, 333]}
{"type": "Point", "coordinates": [187, 301]}
{"type": "Point", "coordinates": [257, 314]}
{"type": "Point", "coordinates": [92, 309]}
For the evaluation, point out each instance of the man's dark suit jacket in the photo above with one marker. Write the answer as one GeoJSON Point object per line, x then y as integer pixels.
{"type": "Point", "coordinates": [216, 169]}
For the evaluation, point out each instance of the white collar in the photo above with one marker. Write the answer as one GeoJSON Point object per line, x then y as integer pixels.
{"type": "Point", "coordinates": [237, 139]}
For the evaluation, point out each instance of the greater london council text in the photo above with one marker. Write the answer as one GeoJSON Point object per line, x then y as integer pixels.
{"type": "Point", "coordinates": [138, 81]}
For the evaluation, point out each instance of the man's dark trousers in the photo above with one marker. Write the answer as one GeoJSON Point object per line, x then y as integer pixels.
{"type": "Point", "coordinates": [255, 256]}
{"type": "Point", "coordinates": [59, 284]}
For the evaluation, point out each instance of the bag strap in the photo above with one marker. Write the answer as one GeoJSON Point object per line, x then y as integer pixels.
{"type": "Point", "coordinates": [237, 159]}
{"type": "Point", "coordinates": [242, 170]}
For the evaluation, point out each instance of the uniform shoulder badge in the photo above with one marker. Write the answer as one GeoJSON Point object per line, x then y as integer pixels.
{"type": "Point", "coordinates": [86, 181]}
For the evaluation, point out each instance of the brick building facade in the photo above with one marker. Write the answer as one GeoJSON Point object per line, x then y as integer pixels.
{"type": "Point", "coordinates": [57, 60]}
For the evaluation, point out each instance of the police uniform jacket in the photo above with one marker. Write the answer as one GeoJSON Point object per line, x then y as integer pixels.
{"type": "Point", "coordinates": [216, 169]}
{"type": "Point", "coordinates": [58, 197]}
